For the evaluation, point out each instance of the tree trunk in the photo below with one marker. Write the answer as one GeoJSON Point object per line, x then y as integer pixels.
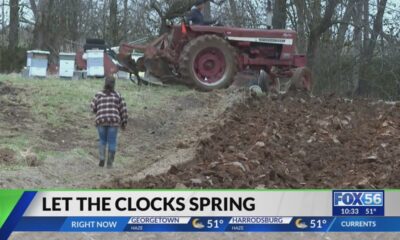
{"type": "Point", "coordinates": [377, 29]}
{"type": "Point", "coordinates": [312, 47]}
{"type": "Point", "coordinates": [357, 19]}
{"type": "Point", "coordinates": [279, 18]}
{"type": "Point", "coordinates": [366, 22]}
{"type": "Point", "coordinates": [105, 23]}
{"type": "Point", "coordinates": [318, 28]}
{"type": "Point", "coordinates": [41, 13]}
{"type": "Point", "coordinates": [207, 11]}
{"type": "Point", "coordinates": [234, 12]}
{"type": "Point", "coordinates": [369, 45]}
{"type": "Point", "coordinates": [125, 21]}
{"type": "Point", "coordinates": [113, 27]}
{"type": "Point", "coordinates": [301, 26]}
{"type": "Point", "coordinates": [3, 16]}
{"type": "Point", "coordinates": [13, 36]}
{"type": "Point", "coordinates": [345, 23]}
{"type": "Point", "coordinates": [74, 20]}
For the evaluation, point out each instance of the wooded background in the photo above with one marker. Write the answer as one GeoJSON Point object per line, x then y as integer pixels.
{"type": "Point", "coordinates": [353, 46]}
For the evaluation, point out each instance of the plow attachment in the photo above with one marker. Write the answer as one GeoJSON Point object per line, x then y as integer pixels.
{"type": "Point", "coordinates": [153, 64]}
{"type": "Point", "coordinates": [302, 79]}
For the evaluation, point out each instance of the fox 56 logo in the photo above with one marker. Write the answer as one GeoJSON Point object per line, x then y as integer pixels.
{"type": "Point", "coordinates": [358, 198]}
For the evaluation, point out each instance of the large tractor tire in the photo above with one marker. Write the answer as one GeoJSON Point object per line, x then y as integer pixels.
{"type": "Point", "coordinates": [209, 62]}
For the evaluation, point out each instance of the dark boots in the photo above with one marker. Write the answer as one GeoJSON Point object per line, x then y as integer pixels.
{"type": "Point", "coordinates": [102, 155]}
{"type": "Point", "coordinates": [111, 156]}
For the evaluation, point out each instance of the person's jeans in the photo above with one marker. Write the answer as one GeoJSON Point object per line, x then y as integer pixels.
{"type": "Point", "coordinates": [108, 135]}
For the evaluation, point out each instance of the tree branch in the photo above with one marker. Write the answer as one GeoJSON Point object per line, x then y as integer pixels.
{"type": "Point", "coordinates": [34, 8]}
{"type": "Point", "coordinates": [24, 20]}
{"type": "Point", "coordinates": [154, 5]}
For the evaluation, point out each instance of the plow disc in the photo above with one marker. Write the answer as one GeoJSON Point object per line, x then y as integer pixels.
{"type": "Point", "coordinates": [301, 80]}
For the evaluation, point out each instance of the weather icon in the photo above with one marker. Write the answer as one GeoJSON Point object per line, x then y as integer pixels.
{"type": "Point", "coordinates": [299, 224]}
{"type": "Point", "coordinates": [197, 224]}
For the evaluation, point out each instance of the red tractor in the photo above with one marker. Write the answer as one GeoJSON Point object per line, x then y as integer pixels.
{"type": "Point", "coordinates": [209, 57]}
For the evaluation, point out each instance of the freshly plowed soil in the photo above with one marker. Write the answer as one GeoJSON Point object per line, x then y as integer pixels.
{"type": "Point", "coordinates": [294, 142]}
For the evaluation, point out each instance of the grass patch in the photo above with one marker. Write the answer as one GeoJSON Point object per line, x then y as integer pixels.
{"type": "Point", "coordinates": [55, 104]}
{"type": "Point", "coordinates": [16, 143]}
{"type": "Point", "coordinates": [58, 102]}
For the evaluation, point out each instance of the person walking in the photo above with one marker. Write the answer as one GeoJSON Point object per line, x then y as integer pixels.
{"type": "Point", "coordinates": [111, 113]}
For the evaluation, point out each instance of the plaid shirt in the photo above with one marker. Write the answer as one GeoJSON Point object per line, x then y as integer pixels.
{"type": "Point", "coordinates": [110, 109]}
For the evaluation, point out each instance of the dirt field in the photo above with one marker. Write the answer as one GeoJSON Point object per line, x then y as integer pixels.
{"type": "Point", "coordinates": [293, 142]}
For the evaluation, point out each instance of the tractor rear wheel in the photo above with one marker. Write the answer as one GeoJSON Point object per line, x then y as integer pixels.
{"type": "Point", "coordinates": [209, 62]}
{"type": "Point", "coordinates": [302, 79]}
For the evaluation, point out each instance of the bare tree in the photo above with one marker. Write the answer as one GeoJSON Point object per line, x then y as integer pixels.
{"type": "Point", "coordinates": [370, 43]}
{"type": "Point", "coordinates": [3, 22]}
{"type": "Point", "coordinates": [171, 10]}
{"type": "Point", "coordinates": [301, 24]}
{"type": "Point", "coordinates": [125, 26]}
{"type": "Point", "coordinates": [234, 12]}
{"type": "Point", "coordinates": [345, 22]}
{"type": "Point", "coordinates": [318, 26]}
{"type": "Point", "coordinates": [41, 14]}
{"type": "Point", "coordinates": [113, 23]}
{"type": "Point", "coordinates": [207, 10]}
{"type": "Point", "coordinates": [356, 53]}
{"type": "Point", "coordinates": [280, 16]}
{"type": "Point", "coordinates": [13, 35]}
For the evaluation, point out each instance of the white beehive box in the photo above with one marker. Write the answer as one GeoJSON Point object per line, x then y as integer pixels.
{"type": "Point", "coordinates": [37, 63]}
{"type": "Point", "coordinates": [67, 65]}
{"type": "Point", "coordinates": [95, 63]}
{"type": "Point", "coordinates": [29, 55]}
{"type": "Point", "coordinates": [122, 75]}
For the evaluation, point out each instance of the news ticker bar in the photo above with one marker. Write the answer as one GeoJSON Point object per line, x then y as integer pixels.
{"type": "Point", "coordinates": [195, 210]}
{"type": "Point", "coordinates": [208, 224]}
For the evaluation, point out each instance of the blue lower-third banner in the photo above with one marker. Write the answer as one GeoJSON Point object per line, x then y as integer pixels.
{"type": "Point", "coordinates": [199, 211]}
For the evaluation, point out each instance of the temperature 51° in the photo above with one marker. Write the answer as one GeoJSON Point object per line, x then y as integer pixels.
{"type": "Point", "coordinates": [317, 223]}
{"type": "Point", "coordinates": [214, 223]}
